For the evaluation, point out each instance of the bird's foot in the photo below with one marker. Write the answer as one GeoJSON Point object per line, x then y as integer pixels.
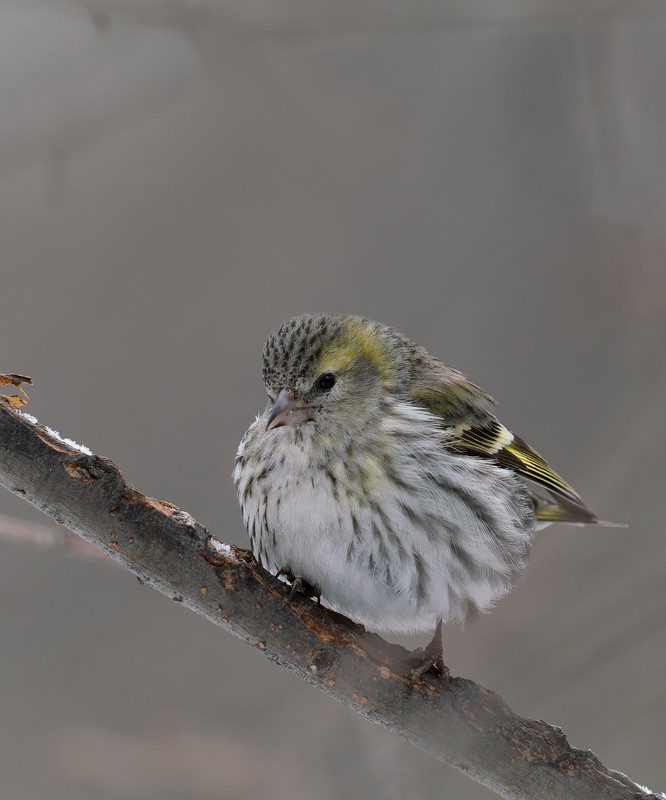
{"type": "Point", "coordinates": [430, 657]}
{"type": "Point", "coordinates": [300, 585]}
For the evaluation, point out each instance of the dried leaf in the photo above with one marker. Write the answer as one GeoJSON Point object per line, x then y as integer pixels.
{"type": "Point", "coordinates": [16, 380]}
{"type": "Point", "coordinates": [14, 400]}
{"type": "Point", "coordinates": [11, 378]}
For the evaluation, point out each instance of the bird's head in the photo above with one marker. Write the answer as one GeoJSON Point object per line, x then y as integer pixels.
{"type": "Point", "coordinates": [330, 369]}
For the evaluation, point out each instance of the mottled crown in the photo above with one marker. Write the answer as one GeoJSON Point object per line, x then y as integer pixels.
{"type": "Point", "coordinates": [312, 342]}
{"type": "Point", "coordinates": [297, 344]}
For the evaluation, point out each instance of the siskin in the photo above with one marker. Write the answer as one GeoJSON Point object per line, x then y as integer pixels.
{"type": "Point", "coordinates": [380, 479]}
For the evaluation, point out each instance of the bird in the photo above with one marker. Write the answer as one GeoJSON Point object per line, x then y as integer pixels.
{"type": "Point", "coordinates": [379, 481]}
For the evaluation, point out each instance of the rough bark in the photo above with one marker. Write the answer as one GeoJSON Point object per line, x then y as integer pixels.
{"type": "Point", "coordinates": [468, 726]}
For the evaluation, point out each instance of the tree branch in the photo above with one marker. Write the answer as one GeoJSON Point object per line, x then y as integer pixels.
{"type": "Point", "coordinates": [468, 727]}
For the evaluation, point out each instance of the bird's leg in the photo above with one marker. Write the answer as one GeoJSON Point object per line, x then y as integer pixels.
{"type": "Point", "coordinates": [287, 573]}
{"type": "Point", "coordinates": [306, 589]}
{"type": "Point", "coordinates": [300, 585]}
{"type": "Point", "coordinates": [430, 657]}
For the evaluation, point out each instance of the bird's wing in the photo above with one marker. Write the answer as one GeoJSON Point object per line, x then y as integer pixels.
{"type": "Point", "coordinates": [467, 413]}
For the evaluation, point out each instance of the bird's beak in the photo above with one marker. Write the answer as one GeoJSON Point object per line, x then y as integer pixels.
{"type": "Point", "coordinates": [288, 411]}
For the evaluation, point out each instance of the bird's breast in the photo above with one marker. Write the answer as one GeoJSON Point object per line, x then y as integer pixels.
{"type": "Point", "coordinates": [395, 532]}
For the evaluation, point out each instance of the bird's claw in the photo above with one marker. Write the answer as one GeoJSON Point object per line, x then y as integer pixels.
{"type": "Point", "coordinates": [430, 657]}
{"type": "Point", "coordinates": [300, 585]}
{"type": "Point", "coordinates": [425, 662]}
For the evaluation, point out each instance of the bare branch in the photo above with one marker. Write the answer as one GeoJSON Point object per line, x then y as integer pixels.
{"type": "Point", "coordinates": [468, 727]}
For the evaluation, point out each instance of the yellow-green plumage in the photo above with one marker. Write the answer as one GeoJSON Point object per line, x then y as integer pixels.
{"type": "Point", "coordinates": [466, 410]}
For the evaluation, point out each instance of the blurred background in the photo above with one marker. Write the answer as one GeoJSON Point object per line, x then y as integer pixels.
{"type": "Point", "coordinates": [179, 176]}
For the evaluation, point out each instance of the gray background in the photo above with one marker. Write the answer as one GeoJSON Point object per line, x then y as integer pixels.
{"type": "Point", "coordinates": [179, 177]}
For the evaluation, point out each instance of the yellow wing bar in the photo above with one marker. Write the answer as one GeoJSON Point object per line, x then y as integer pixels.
{"type": "Point", "coordinates": [512, 452]}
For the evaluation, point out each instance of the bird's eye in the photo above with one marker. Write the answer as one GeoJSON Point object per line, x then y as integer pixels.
{"type": "Point", "coordinates": [326, 382]}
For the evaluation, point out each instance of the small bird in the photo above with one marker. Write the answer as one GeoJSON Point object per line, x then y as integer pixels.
{"type": "Point", "coordinates": [380, 481]}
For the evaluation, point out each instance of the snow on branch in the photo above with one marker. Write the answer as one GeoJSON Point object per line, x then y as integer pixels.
{"type": "Point", "coordinates": [468, 726]}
